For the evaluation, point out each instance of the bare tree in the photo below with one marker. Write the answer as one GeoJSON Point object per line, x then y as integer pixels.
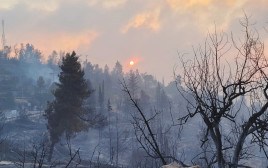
{"type": "Point", "coordinates": [145, 135]}
{"type": "Point", "coordinates": [39, 153]}
{"type": "Point", "coordinates": [150, 145]}
{"type": "Point", "coordinates": [74, 159]}
{"type": "Point", "coordinates": [21, 158]}
{"type": "Point", "coordinates": [206, 157]}
{"type": "Point", "coordinates": [35, 156]}
{"type": "Point", "coordinates": [213, 85]}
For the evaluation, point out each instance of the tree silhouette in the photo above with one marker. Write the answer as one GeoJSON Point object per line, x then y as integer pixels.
{"type": "Point", "coordinates": [213, 87]}
{"type": "Point", "coordinates": [65, 112]}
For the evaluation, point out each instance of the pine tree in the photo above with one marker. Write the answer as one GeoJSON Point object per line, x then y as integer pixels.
{"type": "Point", "coordinates": [118, 69]}
{"type": "Point", "coordinates": [64, 113]}
{"type": "Point", "coordinates": [40, 93]}
{"type": "Point", "coordinates": [133, 83]}
{"type": "Point", "coordinates": [101, 95]}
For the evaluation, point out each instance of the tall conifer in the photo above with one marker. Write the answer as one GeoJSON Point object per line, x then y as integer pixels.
{"type": "Point", "coordinates": [64, 113]}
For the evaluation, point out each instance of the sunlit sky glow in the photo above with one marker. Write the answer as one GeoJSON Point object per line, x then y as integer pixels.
{"type": "Point", "coordinates": [151, 31]}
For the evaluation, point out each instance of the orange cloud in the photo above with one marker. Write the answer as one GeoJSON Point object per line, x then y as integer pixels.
{"type": "Point", "coordinates": [70, 41]}
{"type": "Point", "coordinates": [185, 4]}
{"type": "Point", "coordinates": [182, 4]}
{"type": "Point", "coordinates": [148, 20]}
{"type": "Point", "coordinates": [206, 13]}
{"type": "Point", "coordinates": [61, 41]}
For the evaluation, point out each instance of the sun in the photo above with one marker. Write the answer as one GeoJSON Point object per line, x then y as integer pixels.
{"type": "Point", "coordinates": [131, 63]}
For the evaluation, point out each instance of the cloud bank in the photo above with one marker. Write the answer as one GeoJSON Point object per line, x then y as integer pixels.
{"type": "Point", "coordinates": [111, 30]}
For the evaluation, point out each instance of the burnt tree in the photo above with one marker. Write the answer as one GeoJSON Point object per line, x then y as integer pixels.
{"type": "Point", "coordinates": [219, 76]}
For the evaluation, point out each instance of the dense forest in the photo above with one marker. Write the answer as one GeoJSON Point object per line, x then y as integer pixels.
{"type": "Point", "coordinates": [27, 84]}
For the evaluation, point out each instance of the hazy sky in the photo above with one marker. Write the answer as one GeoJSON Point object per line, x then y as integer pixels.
{"type": "Point", "coordinates": [151, 32]}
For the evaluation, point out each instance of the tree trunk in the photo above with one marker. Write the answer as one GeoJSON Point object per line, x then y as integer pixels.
{"type": "Point", "coordinates": [51, 149]}
{"type": "Point", "coordinates": [221, 162]}
{"type": "Point", "coordinates": [117, 140]}
{"type": "Point", "coordinates": [216, 137]}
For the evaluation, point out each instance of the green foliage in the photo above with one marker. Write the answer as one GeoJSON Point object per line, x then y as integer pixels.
{"type": "Point", "coordinates": [64, 113]}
